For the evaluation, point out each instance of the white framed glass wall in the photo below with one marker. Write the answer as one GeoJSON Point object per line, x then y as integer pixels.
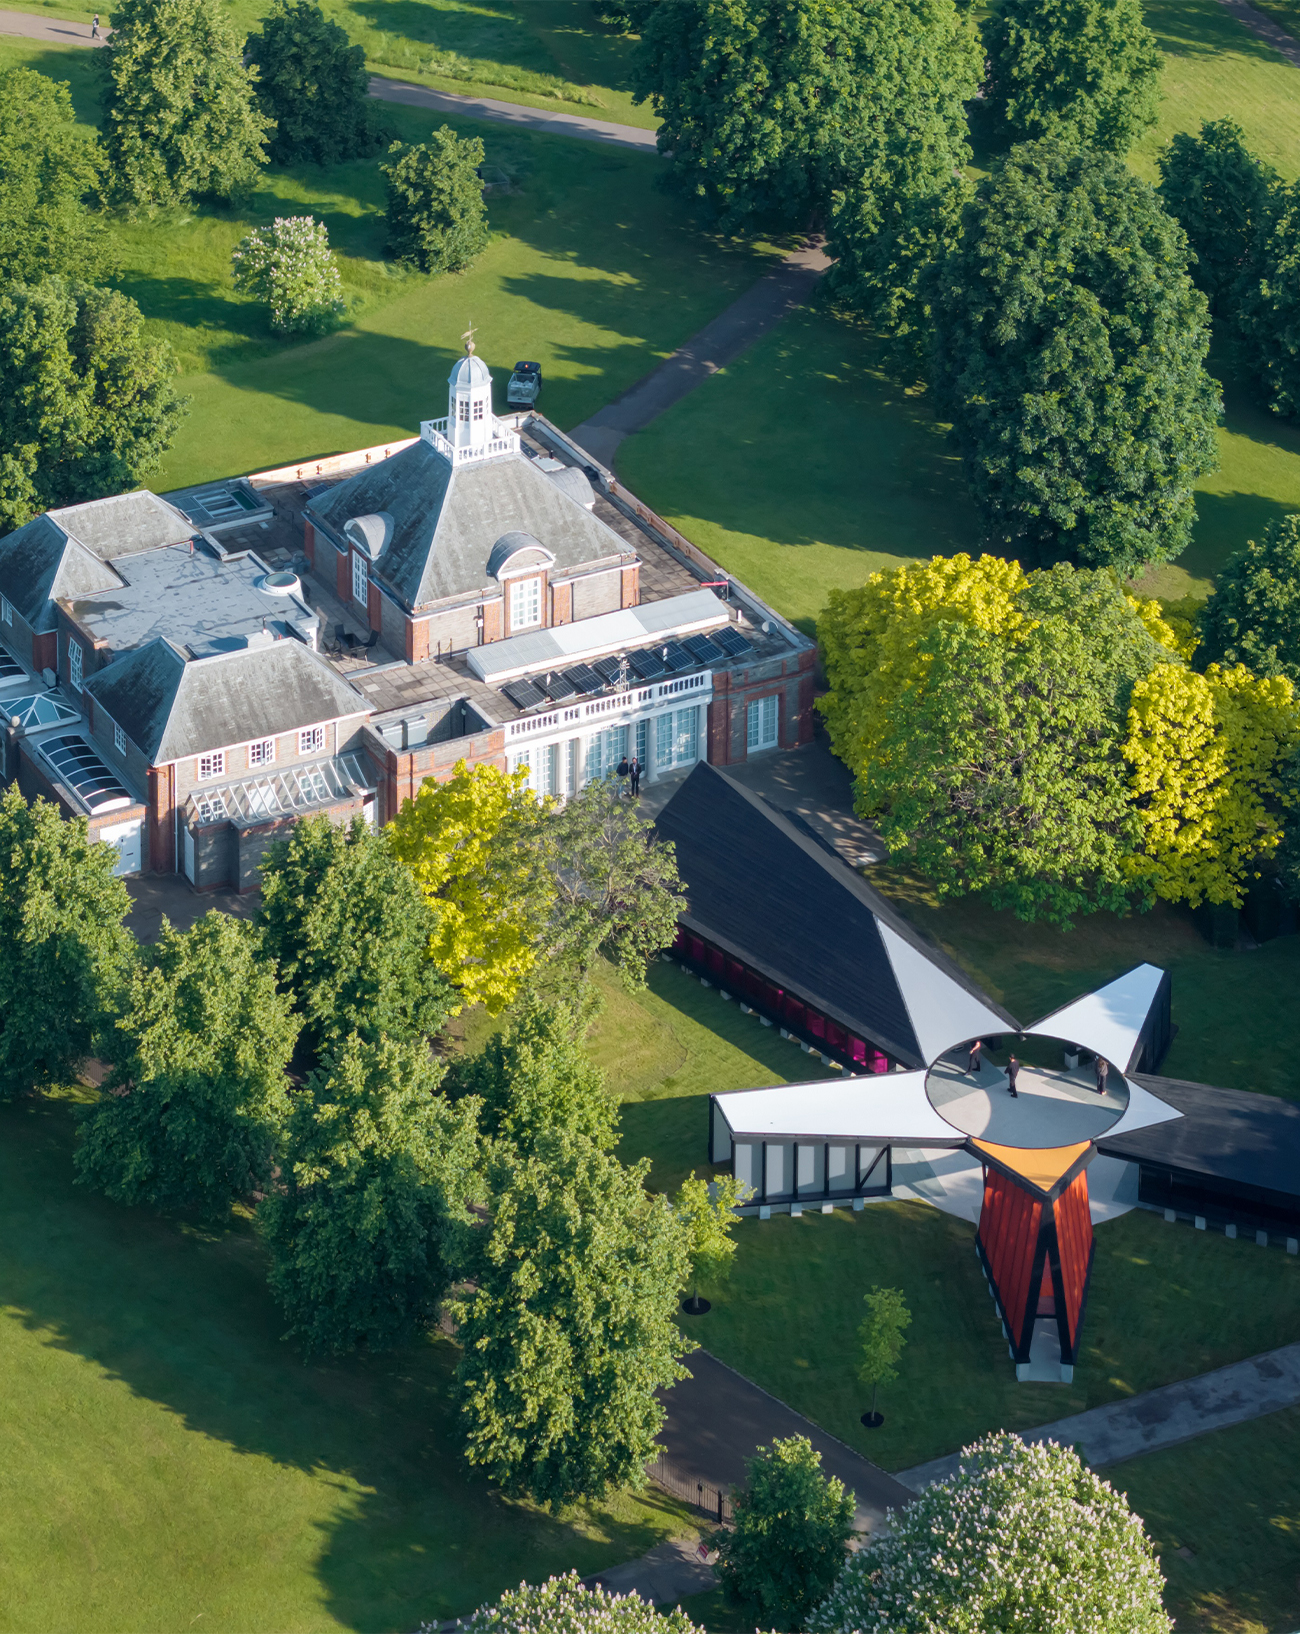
{"type": "Point", "coordinates": [662, 740]}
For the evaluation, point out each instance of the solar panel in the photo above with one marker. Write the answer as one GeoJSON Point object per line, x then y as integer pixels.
{"type": "Point", "coordinates": [82, 769]}
{"type": "Point", "coordinates": [732, 642]}
{"type": "Point", "coordinates": [676, 657]}
{"type": "Point", "coordinates": [523, 694]}
{"type": "Point", "coordinates": [584, 678]}
{"type": "Point", "coordinates": [647, 663]}
{"type": "Point", "coordinates": [702, 649]}
{"type": "Point", "coordinates": [8, 669]}
{"type": "Point", "coordinates": [557, 688]}
{"type": "Point", "coordinates": [606, 668]}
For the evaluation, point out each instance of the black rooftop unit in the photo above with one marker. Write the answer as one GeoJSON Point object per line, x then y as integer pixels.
{"type": "Point", "coordinates": [732, 642]}
{"type": "Point", "coordinates": [676, 657]}
{"type": "Point", "coordinates": [606, 668]}
{"type": "Point", "coordinates": [646, 664]}
{"type": "Point", "coordinates": [584, 678]}
{"type": "Point", "coordinates": [702, 649]}
{"type": "Point", "coordinates": [523, 694]}
{"type": "Point", "coordinates": [557, 688]}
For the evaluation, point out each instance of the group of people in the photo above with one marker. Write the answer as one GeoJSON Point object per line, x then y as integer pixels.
{"type": "Point", "coordinates": [630, 769]}
{"type": "Point", "coordinates": [1012, 1069]}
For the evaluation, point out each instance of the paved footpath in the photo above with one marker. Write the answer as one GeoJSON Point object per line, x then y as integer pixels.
{"type": "Point", "coordinates": [1161, 1418]}
{"type": "Point", "coordinates": [57, 30]}
{"type": "Point", "coordinates": [1286, 45]}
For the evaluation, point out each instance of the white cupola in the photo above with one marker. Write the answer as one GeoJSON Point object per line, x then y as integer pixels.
{"type": "Point", "coordinates": [471, 431]}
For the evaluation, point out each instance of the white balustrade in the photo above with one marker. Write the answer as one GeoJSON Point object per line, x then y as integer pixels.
{"type": "Point", "coordinates": [617, 703]}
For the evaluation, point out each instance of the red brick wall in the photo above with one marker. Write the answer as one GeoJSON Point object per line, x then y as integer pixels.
{"type": "Point", "coordinates": [161, 818]}
{"type": "Point", "coordinates": [562, 604]}
{"type": "Point", "coordinates": [343, 576]}
{"type": "Point", "coordinates": [309, 543]}
{"type": "Point", "coordinates": [492, 621]}
{"type": "Point", "coordinates": [630, 586]}
{"type": "Point", "coordinates": [374, 613]}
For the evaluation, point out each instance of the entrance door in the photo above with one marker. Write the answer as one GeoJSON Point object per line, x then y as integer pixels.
{"type": "Point", "coordinates": [127, 838]}
{"type": "Point", "coordinates": [187, 852]}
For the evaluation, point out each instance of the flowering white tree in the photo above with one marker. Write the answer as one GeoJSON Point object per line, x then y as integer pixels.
{"type": "Point", "coordinates": [1021, 1537]}
{"type": "Point", "coordinates": [290, 266]}
{"type": "Point", "coordinates": [563, 1606]}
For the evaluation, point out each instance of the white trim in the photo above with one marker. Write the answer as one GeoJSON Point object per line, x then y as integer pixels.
{"type": "Point", "coordinates": [76, 660]}
{"type": "Point", "coordinates": [119, 739]}
{"type": "Point", "coordinates": [1109, 1021]}
{"type": "Point", "coordinates": [243, 743]}
{"type": "Point", "coordinates": [216, 760]}
{"type": "Point", "coordinates": [360, 578]}
{"type": "Point", "coordinates": [264, 749]}
{"type": "Point", "coordinates": [622, 706]}
{"type": "Point", "coordinates": [311, 740]}
{"type": "Point", "coordinates": [527, 587]}
{"type": "Point", "coordinates": [6, 610]}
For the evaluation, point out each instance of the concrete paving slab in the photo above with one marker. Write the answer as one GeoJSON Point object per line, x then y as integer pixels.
{"type": "Point", "coordinates": [670, 1572]}
{"type": "Point", "coordinates": [1160, 1418]}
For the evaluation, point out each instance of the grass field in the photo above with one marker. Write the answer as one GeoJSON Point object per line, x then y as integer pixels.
{"type": "Point", "coordinates": [167, 1462]}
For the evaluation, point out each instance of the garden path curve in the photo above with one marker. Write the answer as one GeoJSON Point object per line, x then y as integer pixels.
{"type": "Point", "coordinates": [1286, 45]}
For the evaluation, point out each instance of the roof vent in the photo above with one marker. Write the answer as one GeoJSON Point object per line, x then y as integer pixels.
{"type": "Point", "coordinates": [281, 584]}
{"type": "Point", "coordinates": [259, 638]}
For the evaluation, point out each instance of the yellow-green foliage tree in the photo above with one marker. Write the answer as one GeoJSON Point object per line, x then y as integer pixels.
{"type": "Point", "coordinates": [475, 846]}
{"type": "Point", "coordinates": [871, 639]}
{"type": "Point", "coordinates": [1206, 754]}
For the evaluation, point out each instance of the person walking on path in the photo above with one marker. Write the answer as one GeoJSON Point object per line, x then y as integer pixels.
{"type": "Point", "coordinates": [94, 27]}
{"type": "Point", "coordinates": [1013, 1072]}
{"type": "Point", "coordinates": [976, 1062]}
{"type": "Point", "coordinates": [634, 776]}
{"type": "Point", "coordinates": [1103, 1072]}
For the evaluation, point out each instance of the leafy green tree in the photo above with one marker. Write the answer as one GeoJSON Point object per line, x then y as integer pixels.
{"type": "Point", "coordinates": [617, 887]}
{"type": "Point", "coordinates": [196, 1091]}
{"type": "Point", "coordinates": [1070, 353]}
{"type": "Point", "coordinates": [708, 1211]}
{"type": "Point", "coordinates": [349, 931]}
{"type": "Point", "coordinates": [1085, 71]}
{"type": "Point", "coordinates": [1268, 306]}
{"type": "Point", "coordinates": [63, 949]}
{"type": "Point", "coordinates": [290, 266]}
{"type": "Point", "coordinates": [1253, 617]}
{"type": "Point", "coordinates": [87, 404]}
{"type": "Point", "coordinates": [312, 85]}
{"type": "Point", "coordinates": [562, 1605]}
{"type": "Point", "coordinates": [771, 107]}
{"type": "Point", "coordinates": [1221, 195]}
{"type": "Point", "coordinates": [790, 1537]}
{"type": "Point", "coordinates": [50, 165]}
{"type": "Point", "coordinates": [181, 117]}
{"type": "Point", "coordinates": [536, 1078]}
{"type": "Point", "coordinates": [1071, 1555]}
{"type": "Point", "coordinates": [436, 216]}
{"type": "Point", "coordinates": [1287, 855]}
{"type": "Point", "coordinates": [881, 1339]}
{"type": "Point", "coordinates": [570, 1331]}
{"type": "Point", "coordinates": [369, 1223]}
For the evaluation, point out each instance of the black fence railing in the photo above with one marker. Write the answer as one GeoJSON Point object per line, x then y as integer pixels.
{"type": "Point", "coordinates": [709, 1500]}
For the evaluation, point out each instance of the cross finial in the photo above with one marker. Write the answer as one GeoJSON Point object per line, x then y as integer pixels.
{"type": "Point", "coordinates": [468, 338]}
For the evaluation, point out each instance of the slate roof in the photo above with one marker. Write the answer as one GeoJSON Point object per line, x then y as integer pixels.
{"type": "Point", "coordinates": [446, 521]}
{"type": "Point", "coordinates": [65, 552]}
{"type": "Point", "coordinates": [171, 707]}
{"type": "Point", "coordinates": [1229, 1135]}
{"type": "Point", "coordinates": [762, 890]}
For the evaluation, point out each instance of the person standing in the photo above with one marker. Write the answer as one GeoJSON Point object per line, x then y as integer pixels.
{"type": "Point", "coordinates": [94, 27]}
{"type": "Point", "coordinates": [1013, 1072]}
{"type": "Point", "coordinates": [634, 776]}
{"type": "Point", "coordinates": [622, 769]}
{"type": "Point", "coordinates": [976, 1062]}
{"type": "Point", "coordinates": [1103, 1072]}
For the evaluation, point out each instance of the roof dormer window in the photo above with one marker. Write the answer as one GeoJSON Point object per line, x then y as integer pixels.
{"type": "Point", "coordinates": [525, 603]}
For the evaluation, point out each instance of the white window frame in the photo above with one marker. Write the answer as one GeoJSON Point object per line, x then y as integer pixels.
{"type": "Point", "coordinates": [74, 664]}
{"type": "Point", "coordinates": [531, 589]}
{"type": "Point", "coordinates": [360, 579]}
{"type": "Point", "coordinates": [311, 740]}
{"type": "Point", "coordinates": [763, 723]}
{"type": "Point", "coordinates": [462, 410]}
{"type": "Point", "coordinates": [208, 766]}
{"type": "Point", "coordinates": [119, 739]}
{"type": "Point", "coordinates": [478, 409]}
{"type": "Point", "coordinates": [6, 610]}
{"type": "Point", "coordinates": [261, 753]}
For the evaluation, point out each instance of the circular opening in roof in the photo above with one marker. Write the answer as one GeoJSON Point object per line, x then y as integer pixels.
{"type": "Point", "coordinates": [1056, 1103]}
{"type": "Point", "coordinates": [280, 584]}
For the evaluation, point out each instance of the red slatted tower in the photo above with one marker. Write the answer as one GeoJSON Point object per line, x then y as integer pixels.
{"type": "Point", "coordinates": [1035, 1240]}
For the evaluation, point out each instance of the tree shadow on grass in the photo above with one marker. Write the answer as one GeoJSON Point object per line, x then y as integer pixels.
{"type": "Point", "coordinates": [1192, 28]}
{"type": "Point", "coordinates": [184, 1319]}
{"type": "Point", "coordinates": [491, 31]}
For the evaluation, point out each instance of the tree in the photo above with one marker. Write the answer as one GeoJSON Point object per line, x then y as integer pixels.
{"type": "Point", "coordinates": [87, 405]}
{"type": "Point", "coordinates": [1221, 195]}
{"type": "Point", "coordinates": [1071, 1555]}
{"type": "Point", "coordinates": [289, 265]}
{"type": "Point", "coordinates": [1287, 856]}
{"type": "Point", "coordinates": [63, 949]}
{"type": "Point", "coordinates": [350, 934]}
{"type": "Point", "coordinates": [536, 1078]}
{"type": "Point", "coordinates": [436, 216]}
{"type": "Point", "coordinates": [790, 1536]}
{"type": "Point", "coordinates": [1070, 350]}
{"type": "Point", "coordinates": [1269, 306]}
{"type": "Point", "coordinates": [50, 165]}
{"type": "Point", "coordinates": [474, 845]}
{"type": "Point", "coordinates": [181, 118]}
{"type": "Point", "coordinates": [617, 888]}
{"type": "Point", "coordinates": [369, 1224]}
{"type": "Point", "coordinates": [312, 85]}
{"type": "Point", "coordinates": [708, 1211]}
{"type": "Point", "coordinates": [562, 1605]}
{"type": "Point", "coordinates": [1077, 71]}
{"type": "Point", "coordinates": [570, 1331]}
{"type": "Point", "coordinates": [1207, 754]}
{"type": "Point", "coordinates": [881, 1341]}
{"type": "Point", "coordinates": [195, 1094]}
{"type": "Point", "coordinates": [1253, 615]}
{"type": "Point", "coordinates": [771, 107]}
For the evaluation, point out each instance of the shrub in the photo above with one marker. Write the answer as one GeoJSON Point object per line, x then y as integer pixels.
{"type": "Point", "coordinates": [313, 84]}
{"type": "Point", "coordinates": [436, 216]}
{"type": "Point", "coordinates": [290, 266]}
{"type": "Point", "coordinates": [562, 1606]}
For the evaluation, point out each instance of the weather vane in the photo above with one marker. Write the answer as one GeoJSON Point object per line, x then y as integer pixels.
{"type": "Point", "coordinates": [468, 338]}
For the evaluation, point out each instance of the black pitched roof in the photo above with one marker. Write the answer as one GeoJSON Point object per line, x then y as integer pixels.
{"type": "Point", "coordinates": [1231, 1135]}
{"type": "Point", "coordinates": [789, 909]}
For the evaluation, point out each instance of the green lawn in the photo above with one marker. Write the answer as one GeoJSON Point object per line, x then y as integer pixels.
{"type": "Point", "coordinates": [167, 1462]}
